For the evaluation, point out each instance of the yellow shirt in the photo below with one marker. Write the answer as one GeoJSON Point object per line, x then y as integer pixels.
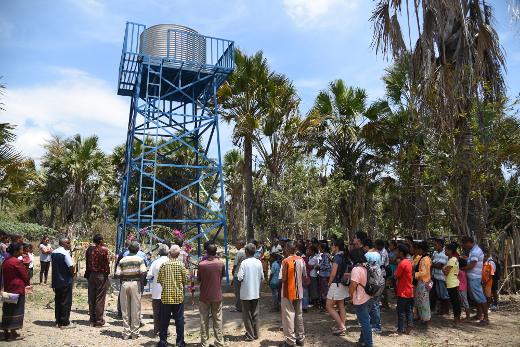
{"type": "Point", "coordinates": [452, 279]}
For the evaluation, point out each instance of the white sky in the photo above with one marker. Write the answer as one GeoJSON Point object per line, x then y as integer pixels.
{"type": "Point", "coordinates": [60, 58]}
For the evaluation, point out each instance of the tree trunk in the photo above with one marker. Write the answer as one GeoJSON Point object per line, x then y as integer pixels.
{"type": "Point", "coordinates": [474, 223]}
{"type": "Point", "coordinates": [418, 208]}
{"type": "Point", "coordinates": [248, 178]}
{"type": "Point", "coordinates": [54, 207]}
{"type": "Point", "coordinates": [39, 214]}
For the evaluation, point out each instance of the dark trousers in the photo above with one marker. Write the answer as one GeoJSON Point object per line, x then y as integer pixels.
{"type": "Point", "coordinates": [98, 282]}
{"type": "Point", "coordinates": [433, 296]}
{"type": "Point", "coordinates": [454, 299]}
{"type": "Point", "coordinates": [156, 306]}
{"type": "Point", "coordinates": [404, 313]}
{"type": "Point", "coordinates": [384, 298]}
{"type": "Point", "coordinates": [250, 314]}
{"type": "Point", "coordinates": [63, 304]}
{"type": "Point", "coordinates": [236, 287]}
{"type": "Point", "coordinates": [44, 270]}
{"type": "Point", "coordinates": [175, 311]}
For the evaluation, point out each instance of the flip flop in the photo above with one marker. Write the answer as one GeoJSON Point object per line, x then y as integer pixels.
{"type": "Point", "coordinates": [475, 318]}
{"type": "Point", "coordinates": [483, 323]}
{"type": "Point", "coordinates": [17, 338]}
{"type": "Point", "coordinates": [395, 335]}
{"type": "Point", "coordinates": [453, 326]}
{"type": "Point", "coordinates": [70, 326]}
{"type": "Point", "coordinates": [339, 332]}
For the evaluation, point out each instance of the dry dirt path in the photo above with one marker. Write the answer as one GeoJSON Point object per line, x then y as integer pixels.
{"type": "Point", "coordinates": [40, 331]}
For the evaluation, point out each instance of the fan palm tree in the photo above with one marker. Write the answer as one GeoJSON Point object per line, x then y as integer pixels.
{"type": "Point", "coordinates": [457, 54]}
{"type": "Point", "coordinates": [233, 170]}
{"type": "Point", "coordinates": [243, 100]}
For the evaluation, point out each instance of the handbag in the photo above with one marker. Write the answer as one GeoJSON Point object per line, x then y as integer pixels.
{"type": "Point", "coordinates": [10, 298]}
{"type": "Point", "coordinates": [429, 285]}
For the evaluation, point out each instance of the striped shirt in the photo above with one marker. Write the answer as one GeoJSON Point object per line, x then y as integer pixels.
{"type": "Point", "coordinates": [439, 258]}
{"type": "Point", "coordinates": [477, 255]}
{"type": "Point", "coordinates": [131, 267]}
{"type": "Point", "coordinates": [172, 276]}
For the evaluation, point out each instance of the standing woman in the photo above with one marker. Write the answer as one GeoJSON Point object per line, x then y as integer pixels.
{"type": "Point", "coordinates": [16, 280]}
{"type": "Point", "coordinates": [45, 259]}
{"type": "Point", "coordinates": [337, 291]}
{"type": "Point", "coordinates": [325, 268]}
{"type": "Point", "coordinates": [422, 275]}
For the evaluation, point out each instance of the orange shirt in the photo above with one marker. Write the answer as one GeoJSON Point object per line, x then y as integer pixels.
{"type": "Point", "coordinates": [487, 270]}
{"type": "Point", "coordinates": [292, 271]}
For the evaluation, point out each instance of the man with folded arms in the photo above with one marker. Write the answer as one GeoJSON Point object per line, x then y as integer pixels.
{"type": "Point", "coordinates": [209, 275]}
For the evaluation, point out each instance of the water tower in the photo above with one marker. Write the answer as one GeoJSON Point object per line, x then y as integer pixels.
{"type": "Point", "coordinates": [172, 167]}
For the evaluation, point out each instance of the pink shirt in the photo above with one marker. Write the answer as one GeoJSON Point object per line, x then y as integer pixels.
{"type": "Point", "coordinates": [463, 282]}
{"type": "Point", "coordinates": [359, 275]}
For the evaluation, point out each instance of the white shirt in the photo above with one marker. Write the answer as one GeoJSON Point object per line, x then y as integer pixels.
{"type": "Point", "coordinates": [250, 274]}
{"type": "Point", "coordinates": [31, 257]}
{"type": "Point", "coordinates": [439, 258]}
{"type": "Point", "coordinates": [153, 273]}
{"type": "Point", "coordinates": [314, 261]}
{"type": "Point", "coordinates": [276, 248]}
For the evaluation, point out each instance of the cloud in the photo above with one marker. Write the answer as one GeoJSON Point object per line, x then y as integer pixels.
{"type": "Point", "coordinates": [76, 103]}
{"type": "Point", "coordinates": [320, 13]}
{"type": "Point", "coordinates": [104, 24]}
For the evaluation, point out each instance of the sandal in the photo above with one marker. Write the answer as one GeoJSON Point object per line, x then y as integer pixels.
{"type": "Point", "coordinates": [70, 326]}
{"type": "Point", "coordinates": [340, 332]}
{"type": "Point", "coordinates": [17, 338]}
{"type": "Point", "coordinates": [475, 318]}
{"type": "Point", "coordinates": [395, 335]}
{"type": "Point", "coordinates": [483, 323]}
{"type": "Point", "coordinates": [453, 326]}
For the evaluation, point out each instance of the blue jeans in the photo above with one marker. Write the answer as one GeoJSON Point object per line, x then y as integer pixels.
{"type": "Point", "coordinates": [442, 290]}
{"type": "Point", "coordinates": [175, 311]}
{"type": "Point", "coordinates": [276, 303]}
{"type": "Point", "coordinates": [375, 314]}
{"type": "Point", "coordinates": [119, 312]}
{"type": "Point", "coordinates": [404, 313]}
{"type": "Point", "coordinates": [363, 317]}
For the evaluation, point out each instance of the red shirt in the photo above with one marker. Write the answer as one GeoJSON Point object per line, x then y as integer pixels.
{"type": "Point", "coordinates": [26, 260]}
{"type": "Point", "coordinates": [210, 274]}
{"type": "Point", "coordinates": [404, 284]}
{"type": "Point", "coordinates": [97, 259]}
{"type": "Point", "coordinates": [15, 276]}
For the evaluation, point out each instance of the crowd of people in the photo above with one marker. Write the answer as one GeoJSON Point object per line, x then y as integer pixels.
{"type": "Point", "coordinates": [304, 274]}
{"type": "Point", "coordinates": [418, 275]}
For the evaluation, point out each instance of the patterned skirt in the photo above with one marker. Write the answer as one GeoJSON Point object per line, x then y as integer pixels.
{"type": "Point", "coordinates": [422, 302]}
{"type": "Point", "coordinates": [324, 287]}
{"type": "Point", "coordinates": [13, 314]}
{"type": "Point", "coordinates": [305, 300]}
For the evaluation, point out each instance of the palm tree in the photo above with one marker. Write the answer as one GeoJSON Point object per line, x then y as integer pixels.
{"type": "Point", "coordinates": [233, 170]}
{"type": "Point", "coordinates": [340, 109]}
{"type": "Point", "coordinates": [457, 55]}
{"type": "Point", "coordinates": [86, 169]}
{"type": "Point", "coordinates": [243, 100]}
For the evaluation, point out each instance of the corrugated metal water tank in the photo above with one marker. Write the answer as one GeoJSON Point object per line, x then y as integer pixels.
{"type": "Point", "coordinates": [183, 46]}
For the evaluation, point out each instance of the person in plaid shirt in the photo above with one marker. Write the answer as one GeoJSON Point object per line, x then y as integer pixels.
{"type": "Point", "coordinates": [172, 277]}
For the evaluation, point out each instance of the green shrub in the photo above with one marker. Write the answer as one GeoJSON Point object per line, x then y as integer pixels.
{"type": "Point", "coordinates": [30, 231]}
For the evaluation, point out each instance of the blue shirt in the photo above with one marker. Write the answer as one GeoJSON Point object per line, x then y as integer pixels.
{"type": "Point", "coordinates": [275, 272]}
{"type": "Point", "coordinates": [373, 256]}
{"type": "Point", "coordinates": [139, 253]}
{"type": "Point", "coordinates": [258, 253]}
{"type": "Point", "coordinates": [61, 261]}
{"type": "Point", "coordinates": [338, 259]}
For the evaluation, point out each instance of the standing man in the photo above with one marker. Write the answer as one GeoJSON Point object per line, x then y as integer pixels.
{"type": "Point", "coordinates": [276, 247]}
{"type": "Point", "coordinates": [291, 275]}
{"type": "Point", "coordinates": [130, 270]}
{"type": "Point", "coordinates": [209, 275]}
{"type": "Point", "coordinates": [239, 258]}
{"type": "Point", "coordinates": [62, 280]}
{"type": "Point", "coordinates": [153, 272]}
{"type": "Point", "coordinates": [474, 275]}
{"type": "Point", "coordinates": [440, 259]}
{"type": "Point", "coordinates": [99, 268]}
{"type": "Point", "coordinates": [250, 274]}
{"type": "Point", "coordinates": [375, 313]}
{"type": "Point", "coordinates": [172, 277]}
{"type": "Point", "coordinates": [385, 262]}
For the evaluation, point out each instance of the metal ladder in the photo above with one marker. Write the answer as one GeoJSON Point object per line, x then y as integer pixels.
{"type": "Point", "coordinates": [147, 186]}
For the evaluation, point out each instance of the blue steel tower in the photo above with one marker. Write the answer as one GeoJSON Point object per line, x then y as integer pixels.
{"type": "Point", "coordinates": [172, 74]}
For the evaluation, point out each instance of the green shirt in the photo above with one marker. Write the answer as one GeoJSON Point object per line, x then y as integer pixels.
{"type": "Point", "coordinates": [131, 267]}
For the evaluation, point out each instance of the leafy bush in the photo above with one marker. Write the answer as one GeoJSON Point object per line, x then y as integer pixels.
{"type": "Point", "coordinates": [30, 231]}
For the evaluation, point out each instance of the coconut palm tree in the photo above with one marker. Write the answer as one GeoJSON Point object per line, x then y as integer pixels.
{"type": "Point", "coordinates": [243, 101]}
{"type": "Point", "coordinates": [456, 56]}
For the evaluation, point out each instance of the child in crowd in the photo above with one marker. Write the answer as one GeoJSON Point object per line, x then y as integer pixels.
{"type": "Point", "coordinates": [463, 290]}
{"type": "Point", "coordinates": [314, 287]}
{"type": "Point", "coordinates": [274, 281]}
{"type": "Point", "coordinates": [487, 277]}
{"type": "Point", "coordinates": [26, 260]}
{"type": "Point", "coordinates": [30, 253]}
{"type": "Point", "coordinates": [403, 275]}
{"type": "Point", "coordinates": [451, 271]}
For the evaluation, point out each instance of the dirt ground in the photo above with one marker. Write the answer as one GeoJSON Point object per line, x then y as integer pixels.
{"type": "Point", "coordinates": [40, 331]}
